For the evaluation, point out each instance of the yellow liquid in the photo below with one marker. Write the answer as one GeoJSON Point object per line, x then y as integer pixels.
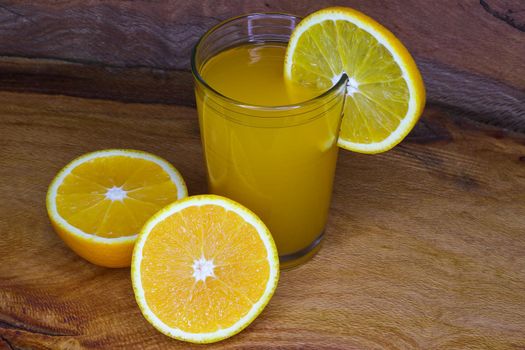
{"type": "Point", "coordinates": [280, 164]}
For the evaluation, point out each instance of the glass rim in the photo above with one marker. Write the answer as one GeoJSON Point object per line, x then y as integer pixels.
{"type": "Point", "coordinates": [342, 80]}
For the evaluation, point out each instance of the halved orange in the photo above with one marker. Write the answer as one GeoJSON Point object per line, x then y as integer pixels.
{"type": "Point", "coordinates": [99, 202]}
{"type": "Point", "coordinates": [385, 91]}
{"type": "Point", "coordinates": [203, 268]}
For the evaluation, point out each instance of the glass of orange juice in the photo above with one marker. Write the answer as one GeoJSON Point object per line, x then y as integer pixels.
{"type": "Point", "coordinates": [269, 145]}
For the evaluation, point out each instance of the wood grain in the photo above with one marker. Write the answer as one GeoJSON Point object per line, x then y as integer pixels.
{"type": "Point", "coordinates": [424, 249]}
{"type": "Point", "coordinates": [138, 84]}
{"type": "Point", "coordinates": [475, 97]}
{"type": "Point", "coordinates": [510, 12]}
{"type": "Point", "coordinates": [160, 34]}
{"type": "Point", "coordinates": [470, 53]}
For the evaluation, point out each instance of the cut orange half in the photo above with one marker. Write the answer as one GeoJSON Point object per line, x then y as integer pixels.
{"type": "Point", "coordinates": [99, 202]}
{"type": "Point", "coordinates": [385, 91]}
{"type": "Point", "coordinates": [203, 268]}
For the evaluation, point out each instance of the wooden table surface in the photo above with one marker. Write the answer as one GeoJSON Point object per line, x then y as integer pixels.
{"type": "Point", "coordinates": [425, 245]}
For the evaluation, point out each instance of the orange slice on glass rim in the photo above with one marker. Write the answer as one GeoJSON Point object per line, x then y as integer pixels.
{"type": "Point", "coordinates": [385, 91]}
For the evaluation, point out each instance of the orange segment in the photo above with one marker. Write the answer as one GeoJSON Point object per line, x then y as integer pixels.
{"type": "Point", "coordinates": [204, 268]}
{"type": "Point", "coordinates": [99, 202]}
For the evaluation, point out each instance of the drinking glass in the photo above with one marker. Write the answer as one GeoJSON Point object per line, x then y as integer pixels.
{"type": "Point", "coordinates": [279, 161]}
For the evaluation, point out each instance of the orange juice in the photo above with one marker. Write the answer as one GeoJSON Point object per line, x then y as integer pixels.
{"type": "Point", "coordinates": [276, 159]}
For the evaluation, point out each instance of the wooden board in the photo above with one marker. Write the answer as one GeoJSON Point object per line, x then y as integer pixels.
{"type": "Point", "coordinates": [425, 247]}
{"type": "Point", "coordinates": [470, 52]}
{"type": "Point", "coordinates": [484, 37]}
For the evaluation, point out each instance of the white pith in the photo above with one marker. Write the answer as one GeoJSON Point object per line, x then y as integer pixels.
{"type": "Point", "coordinates": [116, 194]}
{"type": "Point", "coordinates": [202, 269]}
{"type": "Point", "coordinates": [352, 86]}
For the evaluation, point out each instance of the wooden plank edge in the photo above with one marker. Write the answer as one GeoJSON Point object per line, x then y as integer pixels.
{"type": "Point", "coordinates": [462, 93]}
{"type": "Point", "coordinates": [94, 80]}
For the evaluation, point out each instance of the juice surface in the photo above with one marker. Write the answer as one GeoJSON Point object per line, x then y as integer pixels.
{"type": "Point", "coordinates": [280, 164]}
{"type": "Point", "coordinates": [253, 74]}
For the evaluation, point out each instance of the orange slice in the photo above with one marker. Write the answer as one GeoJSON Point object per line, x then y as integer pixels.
{"type": "Point", "coordinates": [203, 268]}
{"type": "Point", "coordinates": [385, 92]}
{"type": "Point", "coordinates": [99, 202]}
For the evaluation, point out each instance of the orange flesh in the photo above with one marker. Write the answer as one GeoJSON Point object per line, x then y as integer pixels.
{"type": "Point", "coordinates": [240, 275]}
{"type": "Point", "coordinates": [81, 198]}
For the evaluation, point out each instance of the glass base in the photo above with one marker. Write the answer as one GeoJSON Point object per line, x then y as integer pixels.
{"type": "Point", "coordinates": [295, 259]}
